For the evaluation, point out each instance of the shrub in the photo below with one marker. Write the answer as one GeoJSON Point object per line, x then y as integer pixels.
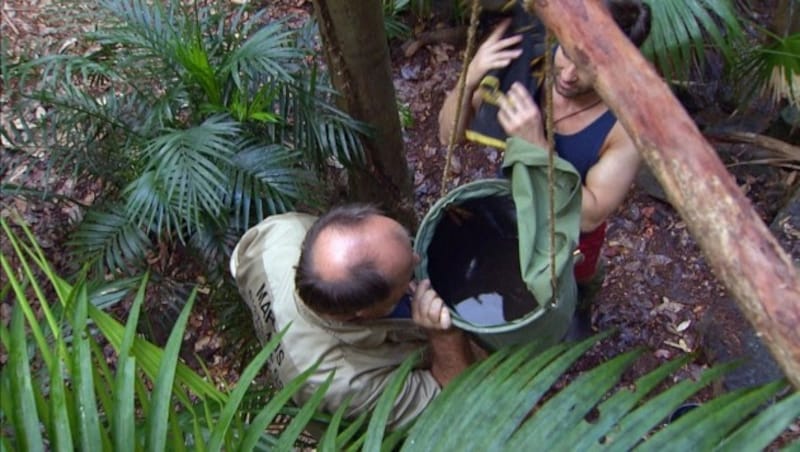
{"type": "Point", "coordinates": [62, 392]}
{"type": "Point", "coordinates": [199, 121]}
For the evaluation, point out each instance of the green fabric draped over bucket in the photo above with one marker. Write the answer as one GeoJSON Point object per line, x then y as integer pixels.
{"type": "Point", "coordinates": [479, 262]}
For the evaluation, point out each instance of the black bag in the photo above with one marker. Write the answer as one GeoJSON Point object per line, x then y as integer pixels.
{"type": "Point", "coordinates": [526, 69]}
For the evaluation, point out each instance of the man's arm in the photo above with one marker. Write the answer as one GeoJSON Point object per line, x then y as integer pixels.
{"type": "Point", "coordinates": [451, 352]}
{"type": "Point", "coordinates": [447, 114]}
{"type": "Point", "coordinates": [495, 53]}
{"type": "Point", "coordinates": [609, 180]}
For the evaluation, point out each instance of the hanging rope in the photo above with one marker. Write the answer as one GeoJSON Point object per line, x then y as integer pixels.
{"type": "Point", "coordinates": [461, 86]}
{"type": "Point", "coordinates": [551, 150]}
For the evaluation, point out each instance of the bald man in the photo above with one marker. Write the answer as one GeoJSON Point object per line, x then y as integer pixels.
{"type": "Point", "coordinates": [344, 283]}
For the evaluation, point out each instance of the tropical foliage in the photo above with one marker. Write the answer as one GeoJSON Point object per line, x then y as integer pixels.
{"type": "Point", "coordinates": [61, 393]}
{"type": "Point", "coordinates": [682, 30]}
{"type": "Point", "coordinates": [774, 66]}
{"type": "Point", "coordinates": [760, 62]}
{"type": "Point", "coordinates": [198, 120]}
{"type": "Point", "coordinates": [392, 18]}
{"type": "Point", "coordinates": [64, 393]}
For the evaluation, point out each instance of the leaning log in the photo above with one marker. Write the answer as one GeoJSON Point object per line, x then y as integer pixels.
{"type": "Point", "coordinates": [738, 245]}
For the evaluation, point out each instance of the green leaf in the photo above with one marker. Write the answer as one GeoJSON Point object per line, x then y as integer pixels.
{"type": "Point", "coordinates": [83, 381]}
{"type": "Point", "coordinates": [187, 166]}
{"type": "Point", "coordinates": [384, 405]}
{"type": "Point", "coordinates": [112, 237]}
{"type": "Point", "coordinates": [566, 409]}
{"type": "Point", "coordinates": [704, 427]}
{"type": "Point", "coordinates": [641, 421]}
{"type": "Point", "coordinates": [22, 299]}
{"type": "Point", "coordinates": [235, 398]}
{"type": "Point", "coordinates": [762, 430]}
{"type": "Point", "coordinates": [123, 421]}
{"type": "Point", "coordinates": [265, 53]}
{"type": "Point", "coordinates": [161, 407]}
{"type": "Point", "coordinates": [106, 294]}
{"type": "Point", "coordinates": [770, 68]}
{"type": "Point", "coordinates": [680, 31]}
{"type": "Point", "coordinates": [347, 435]}
{"type": "Point", "coordinates": [190, 54]}
{"type": "Point", "coordinates": [301, 419]}
{"type": "Point", "coordinates": [149, 356]}
{"type": "Point", "coordinates": [328, 441]}
{"type": "Point", "coordinates": [276, 403]}
{"type": "Point", "coordinates": [426, 429]}
{"type": "Point", "coordinates": [25, 417]}
{"type": "Point", "coordinates": [612, 410]}
{"type": "Point", "coordinates": [265, 180]}
{"type": "Point", "coordinates": [103, 385]}
{"type": "Point", "coordinates": [124, 415]}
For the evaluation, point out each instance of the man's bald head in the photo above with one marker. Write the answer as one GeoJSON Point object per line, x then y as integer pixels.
{"type": "Point", "coordinates": [352, 260]}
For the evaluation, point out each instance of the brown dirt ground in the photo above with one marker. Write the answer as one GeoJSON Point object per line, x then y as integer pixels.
{"type": "Point", "coordinates": [658, 284]}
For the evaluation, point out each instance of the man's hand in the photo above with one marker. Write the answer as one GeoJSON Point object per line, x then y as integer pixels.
{"type": "Point", "coordinates": [520, 116]}
{"type": "Point", "coordinates": [451, 352]}
{"type": "Point", "coordinates": [496, 52]}
{"type": "Point", "coordinates": [428, 310]}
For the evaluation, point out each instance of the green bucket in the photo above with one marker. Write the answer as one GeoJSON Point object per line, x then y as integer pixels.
{"type": "Point", "coordinates": [470, 250]}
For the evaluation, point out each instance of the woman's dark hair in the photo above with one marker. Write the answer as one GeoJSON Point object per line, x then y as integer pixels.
{"type": "Point", "coordinates": [633, 17]}
{"type": "Point", "coordinates": [365, 285]}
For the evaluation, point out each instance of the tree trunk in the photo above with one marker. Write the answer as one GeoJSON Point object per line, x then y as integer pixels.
{"type": "Point", "coordinates": [745, 256]}
{"type": "Point", "coordinates": [357, 53]}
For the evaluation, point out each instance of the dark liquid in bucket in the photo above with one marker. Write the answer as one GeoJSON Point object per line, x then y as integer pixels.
{"type": "Point", "coordinates": [473, 262]}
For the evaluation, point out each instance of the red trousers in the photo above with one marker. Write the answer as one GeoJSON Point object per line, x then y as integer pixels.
{"type": "Point", "coordinates": [590, 244]}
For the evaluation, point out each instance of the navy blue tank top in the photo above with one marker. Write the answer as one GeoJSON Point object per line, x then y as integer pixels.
{"type": "Point", "coordinates": [582, 149]}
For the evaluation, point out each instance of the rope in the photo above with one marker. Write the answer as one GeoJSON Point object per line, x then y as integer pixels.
{"type": "Point", "coordinates": [551, 148]}
{"type": "Point", "coordinates": [462, 79]}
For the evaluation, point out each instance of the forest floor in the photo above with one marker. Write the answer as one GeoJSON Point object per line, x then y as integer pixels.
{"type": "Point", "coordinates": [659, 288]}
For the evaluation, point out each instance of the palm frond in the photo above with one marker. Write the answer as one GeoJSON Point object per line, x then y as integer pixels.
{"type": "Point", "coordinates": [83, 132]}
{"type": "Point", "coordinates": [148, 30]}
{"type": "Point", "coordinates": [708, 425]}
{"type": "Point", "coordinates": [148, 206]}
{"type": "Point", "coordinates": [187, 165]}
{"type": "Point", "coordinates": [392, 20]}
{"type": "Point", "coordinates": [49, 72]}
{"type": "Point", "coordinates": [110, 238]}
{"type": "Point", "coordinates": [771, 69]}
{"type": "Point", "coordinates": [680, 29]}
{"type": "Point", "coordinates": [194, 60]}
{"type": "Point", "coordinates": [105, 294]}
{"type": "Point", "coordinates": [265, 56]}
{"type": "Point", "coordinates": [319, 130]}
{"type": "Point", "coordinates": [214, 243]}
{"type": "Point", "coordinates": [760, 432]}
{"type": "Point", "coordinates": [265, 180]}
{"type": "Point", "coordinates": [159, 107]}
{"type": "Point", "coordinates": [508, 403]}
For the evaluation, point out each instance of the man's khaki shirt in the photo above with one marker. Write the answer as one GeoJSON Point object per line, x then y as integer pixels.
{"type": "Point", "coordinates": [364, 356]}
